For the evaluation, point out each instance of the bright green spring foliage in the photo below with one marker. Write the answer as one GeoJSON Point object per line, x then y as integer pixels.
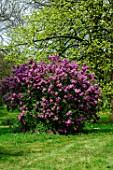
{"type": "Point", "coordinates": [81, 30]}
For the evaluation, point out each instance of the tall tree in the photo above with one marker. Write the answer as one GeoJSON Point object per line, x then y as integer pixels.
{"type": "Point", "coordinates": [11, 16]}
{"type": "Point", "coordinates": [80, 30]}
{"type": "Point", "coordinates": [53, 29]}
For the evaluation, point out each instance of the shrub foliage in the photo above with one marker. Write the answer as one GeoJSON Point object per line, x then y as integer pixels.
{"type": "Point", "coordinates": [59, 94]}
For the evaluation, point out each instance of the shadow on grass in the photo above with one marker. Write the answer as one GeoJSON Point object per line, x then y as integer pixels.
{"type": "Point", "coordinates": [100, 127]}
{"type": "Point", "coordinates": [4, 152]}
{"type": "Point", "coordinates": [94, 130]}
{"type": "Point", "coordinates": [6, 130]}
{"type": "Point", "coordinates": [4, 114]}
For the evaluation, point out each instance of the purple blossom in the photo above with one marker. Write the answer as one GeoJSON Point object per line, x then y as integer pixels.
{"type": "Point", "coordinates": [59, 85]}
{"type": "Point", "coordinates": [20, 116]}
{"type": "Point", "coordinates": [24, 123]}
{"type": "Point", "coordinates": [68, 113]}
{"type": "Point", "coordinates": [40, 116]}
{"type": "Point", "coordinates": [23, 108]}
{"type": "Point", "coordinates": [44, 90]}
{"type": "Point", "coordinates": [53, 58]}
{"type": "Point", "coordinates": [81, 94]}
{"type": "Point", "coordinates": [21, 103]}
{"type": "Point", "coordinates": [20, 95]}
{"type": "Point", "coordinates": [73, 81]}
{"type": "Point", "coordinates": [55, 118]}
{"type": "Point", "coordinates": [53, 108]}
{"type": "Point", "coordinates": [60, 91]}
{"type": "Point", "coordinates": [51, 101]}
{"type": "Point", "coordinates": [77, 90]}
{"type": "Point", "coordinates": [95, 102]}
{"type": "Point", "coordinates": [65, 96]}
{"type": "Point", "coordinates": [58, 108]}
{"type": "Point", "coordinates": [43, 104]}
{"type": "Point", "coordinates": [87, 98]}
{"type": "Point", "coordinates": [81, 119]}
{"type": "Point", "coordinates": [84, 86]}
{"type": "Point", "coordinates": [43, 99]}
{"type": "Point", "coordinates": [56, 93]}
{"type": "Point", "coordinates": [36, 132]}
{"type": "Point", "coordinates": [81, 106]}
{"type": "Point", "coordinates": [68, 122]}
{"type": "Point", "coordinates": [64, 130]}
{"type": "Point", "coordinates": [58, 99]}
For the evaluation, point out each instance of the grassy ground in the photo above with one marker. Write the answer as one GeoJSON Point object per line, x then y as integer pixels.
{"type": "Point", "coordinates": [92, 149]}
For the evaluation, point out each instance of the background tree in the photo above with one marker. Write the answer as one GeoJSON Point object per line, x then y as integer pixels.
{"type": "Point", "coordinates": [81, 30]}
{"type": "Point", "coordinates": [11, 16]}
{"type": "Point", "coordinates": [4, 67]}
{"type": "Point", "coordinates": [53, 29]}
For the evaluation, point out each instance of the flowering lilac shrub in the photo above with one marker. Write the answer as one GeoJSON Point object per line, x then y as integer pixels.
{"type": "Point", "coordinates": [58, 93]}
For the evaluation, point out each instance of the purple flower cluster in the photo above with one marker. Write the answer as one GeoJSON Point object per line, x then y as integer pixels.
{"type": "Point", "coordinates": [58, 93]}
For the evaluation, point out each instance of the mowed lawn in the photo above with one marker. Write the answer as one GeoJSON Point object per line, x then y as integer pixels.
{"type": "Point", "coordinates": [91, 149]}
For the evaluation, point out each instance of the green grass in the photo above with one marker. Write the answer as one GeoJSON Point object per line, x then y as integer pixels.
{"type": "Point", "coordinates": [92, 149]}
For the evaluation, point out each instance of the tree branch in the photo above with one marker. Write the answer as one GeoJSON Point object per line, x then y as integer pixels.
{"type": "Point", "coordinates": [56, 37]}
